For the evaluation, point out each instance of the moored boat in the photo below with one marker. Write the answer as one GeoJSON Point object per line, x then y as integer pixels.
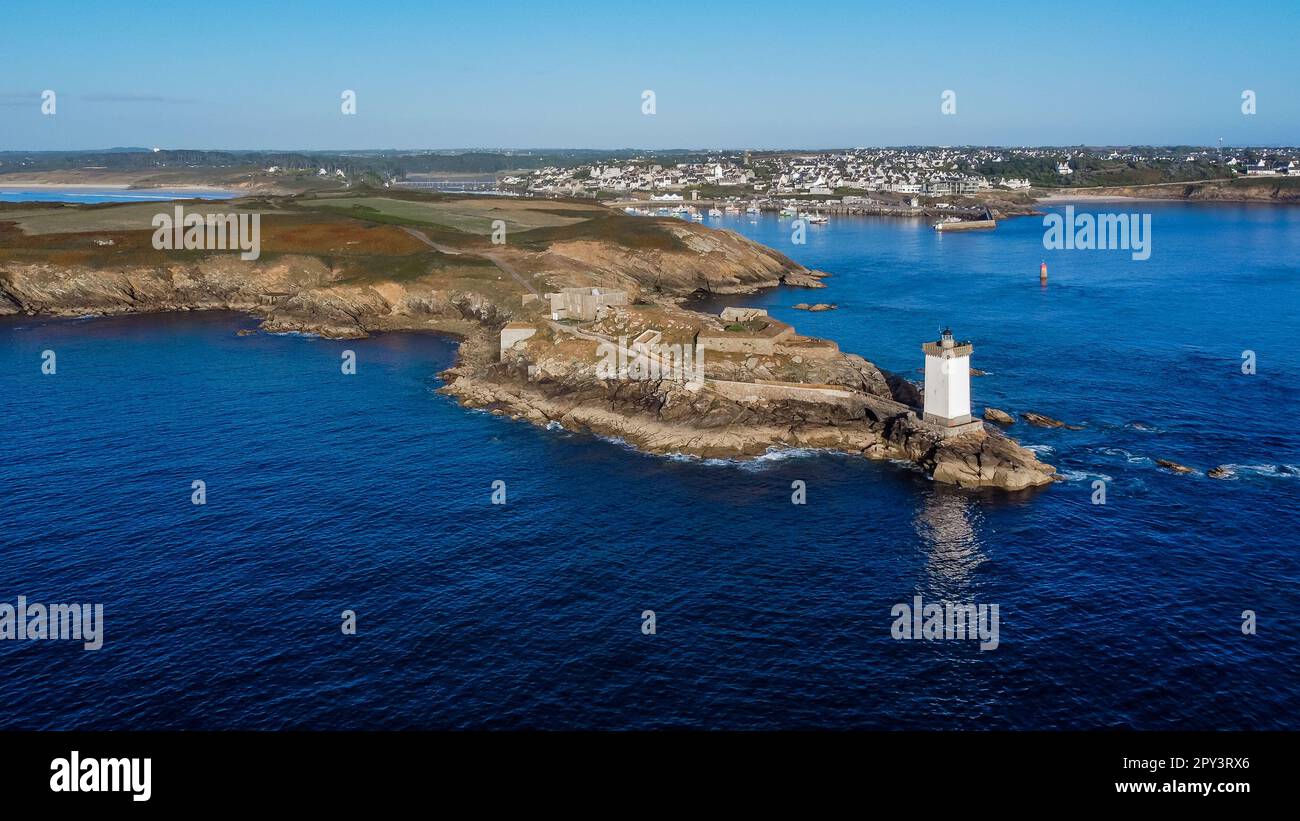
{"type": "Point", "coordinates": [985, 221]}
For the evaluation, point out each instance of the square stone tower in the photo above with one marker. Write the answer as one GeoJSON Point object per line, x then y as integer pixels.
{"type": "Point", "coordinates": [947, 385]}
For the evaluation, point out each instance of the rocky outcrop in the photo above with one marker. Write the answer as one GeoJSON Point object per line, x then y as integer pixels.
{"type": "Point", "coordinates": [1221, 472]}
{"type": "Point", "coordinates": [998, 416]}
{"type": "Point", "coordinates": [816, 307]}
{"type": "Point", "coordinates": [987, 461]}
{"type": "Point", "coordinates": [1041, 421]}
{"type": "Point", "coordinates": [1174, 466]}
{"type": "Point", "coordinates": [292, 293]}
{"type": "Point", "coordinates": [547, 381]}
{"type": "Point", "coordinates": [704, 260]}
{"type": "Point", "coordinates": [1240, 189]}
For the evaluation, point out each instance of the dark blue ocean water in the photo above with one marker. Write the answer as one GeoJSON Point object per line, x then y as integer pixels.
{"type": "Point", "coordinates": [369, 492]}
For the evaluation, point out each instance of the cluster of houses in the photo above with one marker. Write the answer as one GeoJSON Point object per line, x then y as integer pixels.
{"type": "Point", "coordinates": [918, 171]}
{"type": "Point", "coordinates": [638, 176]}
{"type": "Point", "coordinates": [901, 171]}
{"type": "Point", "coordinates": [1273, 168]}
{"type": "Point", "coordinates": [1277, 162]}
{"type": "Point", "coordinates": [913, 171]}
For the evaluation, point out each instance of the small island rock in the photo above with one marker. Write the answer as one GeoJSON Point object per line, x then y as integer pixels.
{"type": "Point", "coordinates": [1041, 421]}
{"type": "Point", "coordinates": [820, 306]}
{"type": "Point", "coordinates": [998, 416]}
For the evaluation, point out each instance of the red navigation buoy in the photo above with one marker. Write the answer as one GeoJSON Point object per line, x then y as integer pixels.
{"type": "Point", "coordinates": [1042, 272]}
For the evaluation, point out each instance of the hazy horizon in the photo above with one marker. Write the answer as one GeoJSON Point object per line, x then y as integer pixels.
{"type": "Point", "coordinates": [642, 149]}
{"type": "Point", "coordinates": [756, 76]}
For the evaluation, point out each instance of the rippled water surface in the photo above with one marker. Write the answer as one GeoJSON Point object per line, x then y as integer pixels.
{"type": "Point", "coordinates": [372, 493]}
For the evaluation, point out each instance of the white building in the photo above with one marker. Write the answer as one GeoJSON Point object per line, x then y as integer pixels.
{"type": "Point", "coordinates": [947, 386]}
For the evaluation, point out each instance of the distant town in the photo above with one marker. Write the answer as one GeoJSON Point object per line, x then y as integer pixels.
{"type": "Point", "coordinates": [909, 170]}
{"type": "Point", "coordinates": [885, 180]}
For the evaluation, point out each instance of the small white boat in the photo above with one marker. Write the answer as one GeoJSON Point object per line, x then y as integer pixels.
{"type": "Point", "coordinates": [753, 209]}
{"type": "Point", "coordinates": [715, 214]}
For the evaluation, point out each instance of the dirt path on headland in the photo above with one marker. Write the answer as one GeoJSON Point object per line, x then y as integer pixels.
{"type": "Point", "coordinates": [506, 268]}
{"type": "Point", "coordinates": [509, 269]}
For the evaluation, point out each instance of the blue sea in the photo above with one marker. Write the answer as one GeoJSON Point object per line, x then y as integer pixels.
{"type": "Point", "coordinates": [328, 492]}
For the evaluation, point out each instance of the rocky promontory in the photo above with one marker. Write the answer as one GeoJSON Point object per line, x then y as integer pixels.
{"type": "Point", "coordinates": [804, 393]}
{"type": "Point", "coordinates": [346, 266]}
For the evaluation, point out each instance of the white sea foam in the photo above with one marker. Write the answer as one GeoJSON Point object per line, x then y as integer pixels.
{"type": "Point", "coordinates": [1083, 476]}
{"type": "Point", "coordinates": [1282, 471]}
{"type": "Point", "coordinates": [1131, 458]}
{"type": "Point", "coordinates": [772, 456]}
{"type": "Point", "coordinates": [781, 454]}
{"type": "Point", "coordinates": [1144, 427]}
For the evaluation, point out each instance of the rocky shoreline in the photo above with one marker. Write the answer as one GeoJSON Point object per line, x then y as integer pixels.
{"type": "Point", "coordinates": [976, 461]}
{"type": "Point", "coordinates": [805, 393]}
{"type": "Point", "coordinates": [1273, 190]}
{"type": "Point", "coordinates": [666, 418]}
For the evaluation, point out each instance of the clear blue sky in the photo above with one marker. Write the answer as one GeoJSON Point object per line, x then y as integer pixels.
{"type": "Point", "coordinates": [238, 74]}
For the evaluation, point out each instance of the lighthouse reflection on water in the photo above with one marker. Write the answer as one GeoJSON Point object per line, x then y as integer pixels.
{"type": "Point", "coordinates": [947, 525]}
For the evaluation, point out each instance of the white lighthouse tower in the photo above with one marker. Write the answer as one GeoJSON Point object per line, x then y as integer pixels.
{"type": "Point", "coordinates": [947, 385]}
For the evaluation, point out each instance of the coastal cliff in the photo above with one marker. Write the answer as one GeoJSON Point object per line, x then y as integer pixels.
{"type": "Point", "coordinates": [339, 276]}
{"type": "Point", "coordinates": [292, 293]}
{"type": "Point", "coordinates": [1267, 189]}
